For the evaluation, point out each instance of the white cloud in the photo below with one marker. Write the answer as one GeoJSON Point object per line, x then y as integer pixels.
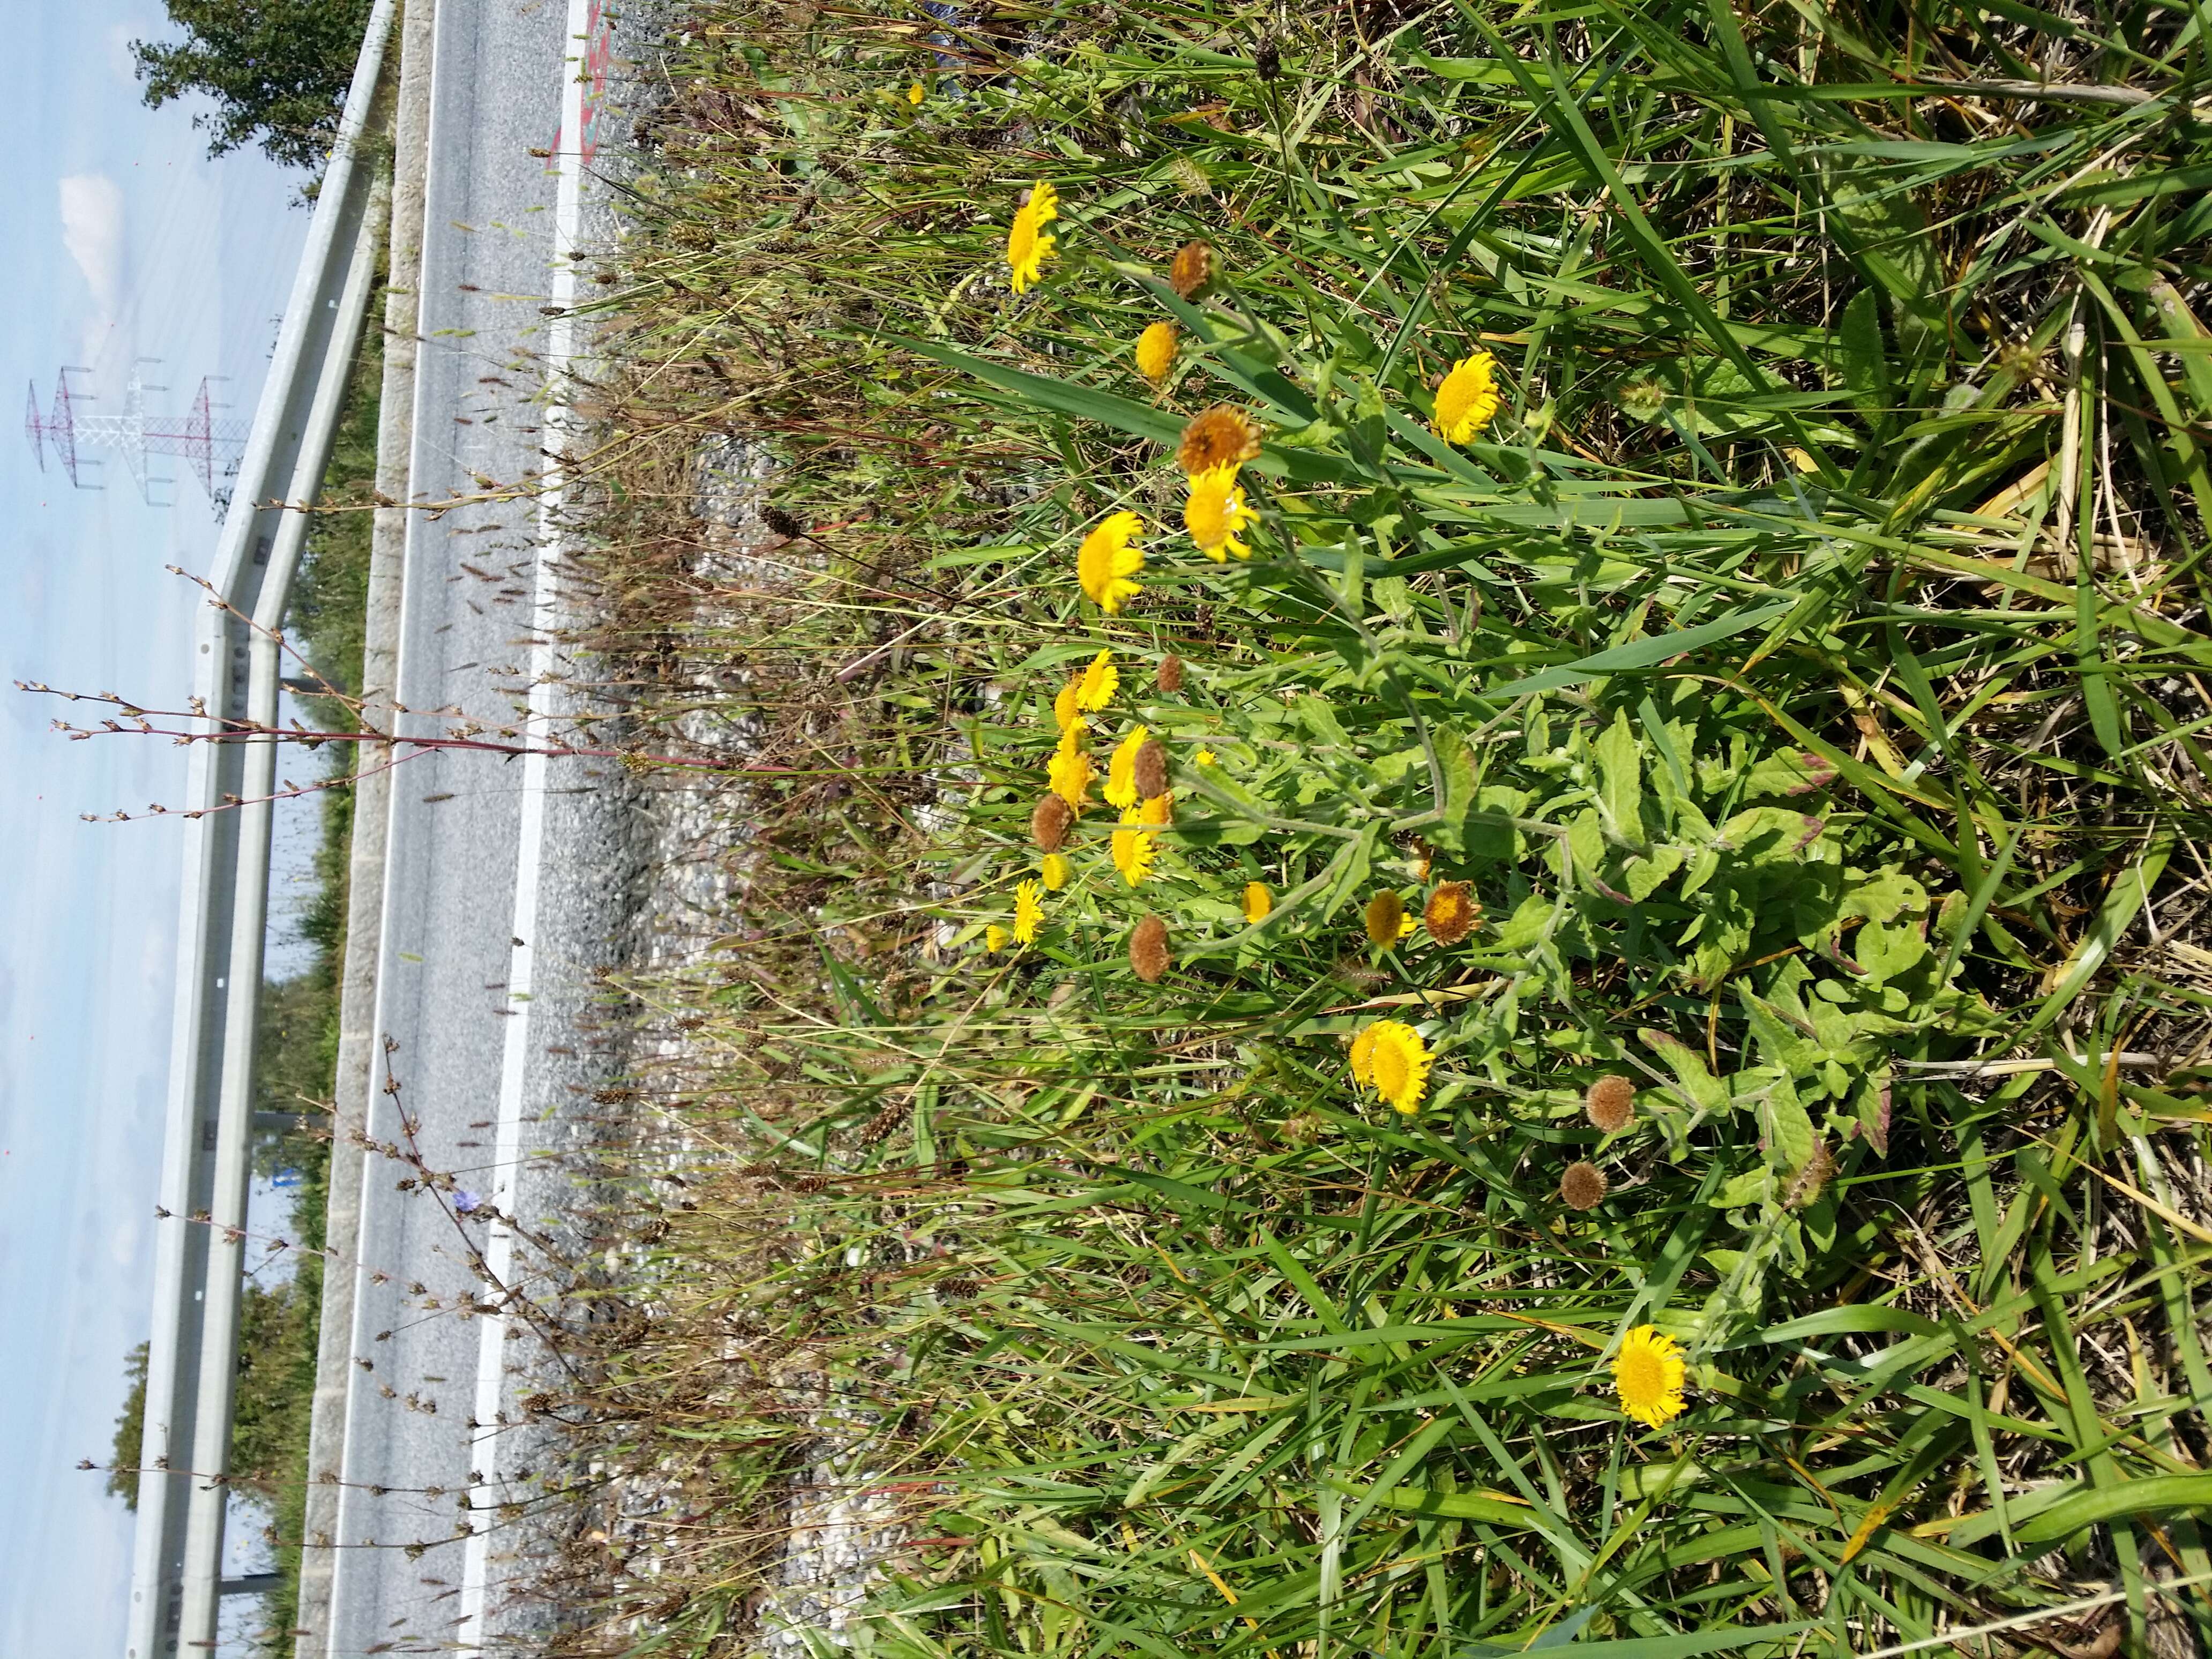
{"type": "Point", "coordinates": [92, 232]}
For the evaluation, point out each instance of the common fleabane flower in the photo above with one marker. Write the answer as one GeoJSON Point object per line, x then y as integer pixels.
{"type": "Point", "coordinates": [1395, 1062]}
{"type": "Point", "coordinates": [1133, 848]}
{"type": "Point", "coordinates": [1156, 351]}
{"type": "Point", "coordinates": [1098, 683]}
{"type": "Point", "coordinates": [1029, 913]}
{"type": "Point", "coordinates": [1648, 1374]}
{"type": "Point", "coordinates": [1107, 559]}
{"type": "Point", "coordinates": [1467, 400]}
{"type": "Point", "coordinates": [1215, 514]}
{"type": "Point", "coordinates": [1028, 245]}
{"type": "Point", "coordinates": [1120, 788]}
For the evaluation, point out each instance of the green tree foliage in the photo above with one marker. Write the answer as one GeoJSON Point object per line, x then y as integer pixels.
{"type": "Point", "coordinates": [130, 1432]}
{"type": "Point", "coordinates": [277, 70]}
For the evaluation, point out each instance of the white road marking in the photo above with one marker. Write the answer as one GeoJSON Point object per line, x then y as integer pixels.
{"type": "Point", "coordinates": [486, 1495]}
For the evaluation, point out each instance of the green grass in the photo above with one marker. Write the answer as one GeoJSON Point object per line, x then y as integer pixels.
{"type": "Point", "coordinates": [1801, 670]}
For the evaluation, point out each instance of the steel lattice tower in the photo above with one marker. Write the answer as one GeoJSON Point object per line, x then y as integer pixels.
{"type": "Point", "coordinates": [211, 444]}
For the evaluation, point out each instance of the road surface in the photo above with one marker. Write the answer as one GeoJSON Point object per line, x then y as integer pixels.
{"type": "Point", "coordinates": [479, 1075]}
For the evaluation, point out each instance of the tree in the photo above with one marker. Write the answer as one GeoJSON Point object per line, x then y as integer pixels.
{"type": "Point", "coordinates": [277, 70]}
{"type": "Point", "coordinates": [130, 1432]}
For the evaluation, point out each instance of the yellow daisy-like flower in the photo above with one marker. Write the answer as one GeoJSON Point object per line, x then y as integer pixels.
{"type": "Point", "coordinates": [1258, 901]}
{"type": "Point", "coordinates": [1067, 775]}
{"type": "Point", "coordinates": [1120, 788]}
{"type": "Point", "coordinates": [1363, 1057]}
{"type": "Point", "coordinates": [1157, 811]}
{"type": "Point", "coordinates": [1029, 913]}
{"type": "Point", "coordinates": [915, 94]}
{"type": "Point", "coordinates": [995, 938]}
{"type": "Point", "coordinates": [1156, 351]}
{"type": "Point", "coordinates": [1064, 714]}
{"type": "Point", "coordinates": [1648, 1375]}
{"type": "Point", "coordinates": [1108, 558]}
{"type": "Point", "coordinates": [1397, 1064]}
{"type": "Point", "coordinates": [1466, 401]}
{"type": "Point", "coordinates": [1215, 513]}
{"type": "Point", "coordinates": [1406, 926]}
{"type": "Point", "coordinates": [1135, 847]}
{"type": "Point", "coordinates": [1054, 872]}
{"type": "Point", "coordinates": [1099, 682]}
{"type": "Point", "coordinates": [1206, 757]}
{"type": "Point", "coordinates": [1028, 245]}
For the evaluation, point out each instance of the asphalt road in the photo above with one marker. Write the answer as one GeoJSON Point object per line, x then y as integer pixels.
{"type": "Point", "coordinates": [462, 1046]}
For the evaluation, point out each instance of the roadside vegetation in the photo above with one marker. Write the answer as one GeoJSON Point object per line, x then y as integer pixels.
{"type": "Point", "coordinates": [1577, 1012]}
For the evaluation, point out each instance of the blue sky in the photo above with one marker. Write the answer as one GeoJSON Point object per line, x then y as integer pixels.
{"type": "Point", "coordinates": [125, 241]}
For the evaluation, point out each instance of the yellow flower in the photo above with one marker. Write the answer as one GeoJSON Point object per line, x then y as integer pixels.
{"type": "Point", "coordinates": [1156, 351]}
{"type": "Point", "coordinates": [1135, 847]}
{"type": "Point", "coordinates": [914, 94]}
{"type": "Point", "coordinates": [1215, 513]}
{"type": "Point", "coordinates": [1466, 401]}
{"type": "Point", "coordinates": [1096, 687]}
{"type": "Point", "coordinates": [1028, 245]}
{"type": "Point", "coordinates": [1055, 870]}
{"type": "Point", "coordinates": [1363, 1058]}
{"type": "Point", "coordinates": [1121, 771]}
{"type": "Point", "coordinates": [1397, 1064]}
{"type": "Point", "coordinates": [1648, 1374]}
{"type": "Point", "coordinates": [995, 938]}
{"type": "Point", "coordinates": [1064, 711]}
{"type": "Point", "coordinates": [1406, 926]}
{"type": "Point", "coordinates": [1206, 757]}
{"type": "Point", "coordinates": [1258, 901]}
{"type": "Point", "coordinates": [1108, 558]}
{"type": "Point", "coordinates": [1068, 773]}
{"type": "Point", "coordinates": [1029, 913]}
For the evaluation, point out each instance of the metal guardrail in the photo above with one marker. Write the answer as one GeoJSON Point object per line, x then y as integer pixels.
{"type": "Point", "coordinates": [191, 1362]}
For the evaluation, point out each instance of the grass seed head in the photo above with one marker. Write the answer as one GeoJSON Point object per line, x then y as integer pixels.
{"type": "Point", "coordinates": [1611, 1103]}
{"type": "Point", "coordinates": [1151, 770]}
{"type": "Point", "coordinates": [1148, 950]}
{"type": "Point", "coordinates": [1194, 262]}
{"type": "Point", "coordinates": [1451, 913]}
{"type": "Point", "coordinates": [1583, 1187]}
{"type": "Point", "coordinates": [1049, 822]}
{"type": "Point", "coordinates": [1267, 62]}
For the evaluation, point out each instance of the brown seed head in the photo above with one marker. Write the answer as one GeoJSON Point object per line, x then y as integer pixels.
{"type": "Point", "coordinates": [1385, 912]}
{"type": "Point", "coordinates": [1611, 1103]}
{"type": "Point", "coordinates": [1452, 913]}
{"type": "Point", "coordinates": [1268, 61]}
{"type": "Point", "coordinates": [1148, 950]}
{"type": "Point", "coordinates": [1169, 679]}
{"type": "Point", "coordinates": [881, 1124]}
{"type": "Point", "coordinates": [1219, 436]}
{"type": "Point", "coordinates": [1192, 271]}
{"type": "Point", "coordinates": [1583, 1187]}
{"type": "Point", "coordinates": [1048, 823]}
{"type": "Point", "coordinates": [1150, 771]}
